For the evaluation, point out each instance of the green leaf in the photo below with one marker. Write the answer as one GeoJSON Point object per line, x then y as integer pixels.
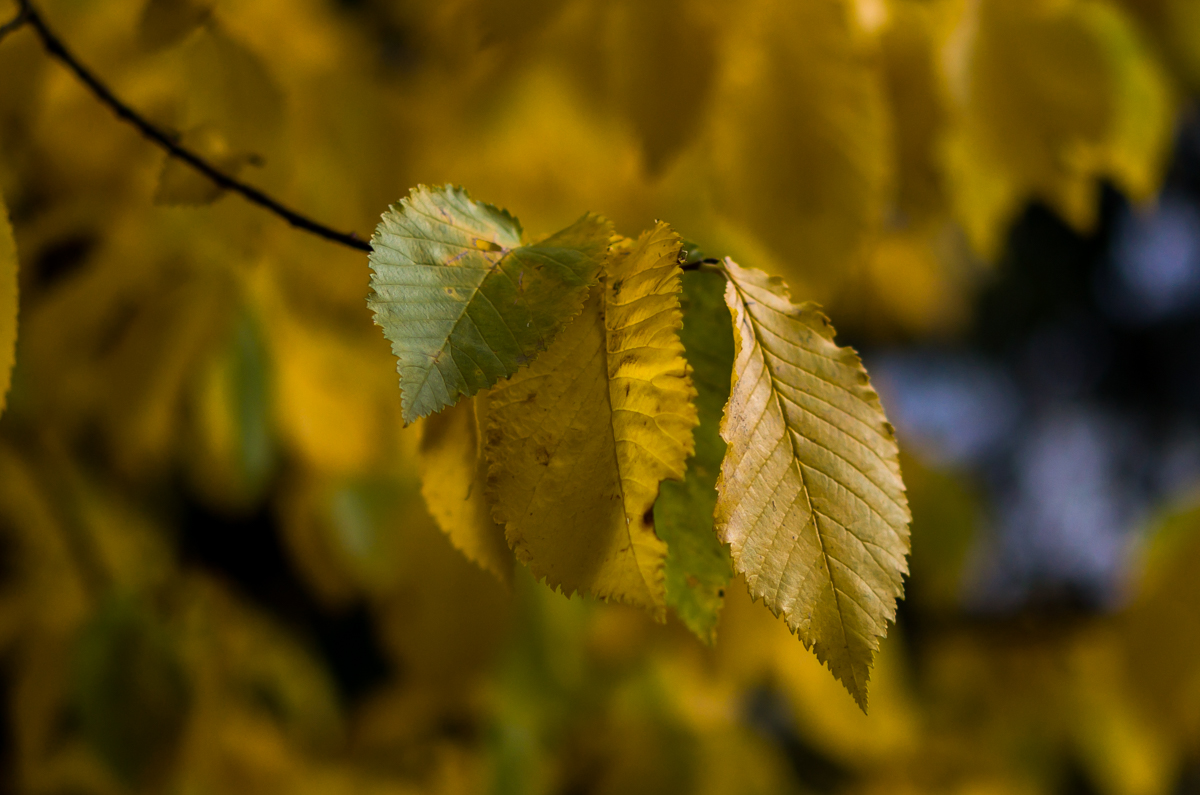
{"type": "Point", "coordinates": [8, 304]}
{"type": "Point", "coordinates": [463, 303]}
{"type": "Point", "coordinates": [698, 566]}
{"type": "Point", "coordinates": [810, 495]}
{"type": "Point", "coordinates": [578, 442]}
{"type": "Point", "coordinates": [131, 694]}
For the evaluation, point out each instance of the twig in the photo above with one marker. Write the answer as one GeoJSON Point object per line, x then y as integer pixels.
{"type": "Point", "coordinates": [706, 264]}
{"type": "Point", "coordinates": [15, 23]}
{"type": "Point", "coordinates": [30, 16]}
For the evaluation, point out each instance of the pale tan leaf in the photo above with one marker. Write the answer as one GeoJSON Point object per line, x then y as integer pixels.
{"type": "Point", "coordinates": [811, 500]}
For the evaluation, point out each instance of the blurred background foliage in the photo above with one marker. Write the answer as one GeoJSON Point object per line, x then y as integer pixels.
{"type": "Point", "coordinates": [217, 573]}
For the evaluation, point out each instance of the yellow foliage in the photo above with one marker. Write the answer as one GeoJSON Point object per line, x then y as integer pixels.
{"type": "Point", "coordinates": [1049, 97]}
{"type": "Point", "coordinates": [8, 304]}
{"type": "Point", "coordinates": [185, 359]}
{"type": "Point", "coordinates": [612, 392]}
{"type": "Point", "coordinates": [453, 479]}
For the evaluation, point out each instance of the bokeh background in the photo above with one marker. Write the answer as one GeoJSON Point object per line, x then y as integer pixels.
{"type": "Point", "coordinates": [217, 573]}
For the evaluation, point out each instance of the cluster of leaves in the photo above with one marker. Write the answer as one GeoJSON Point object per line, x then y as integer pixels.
{"type": "Point", "coordinates": [591, 408]}
{"type": "Point", "coordinates": [181, 355]}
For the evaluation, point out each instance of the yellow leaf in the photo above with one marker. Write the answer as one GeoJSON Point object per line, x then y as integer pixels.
{"type": "Point", "coordinates": [799, 132]}
{"type": "Point", "coordinates": [664, 96]}
{"type": "Point", "coordinates": [8, 304]}
{"type": "Point", "coordinates": [811, 499]}
{"type": "Point", "coordinates": [1175, 24]}
{"type": "Point", "coordinates": [578, 442]}
{"type": "Point", "coordinates": [453, 474]}
{"type": "Point", "coordinates": [167, 22]}
{"type": "Point", "coordinates": [231, 89]}
{"type": "Point", "coordinates": [1051, 96]}
{"type": "Point", "coordinates": [908, 46]}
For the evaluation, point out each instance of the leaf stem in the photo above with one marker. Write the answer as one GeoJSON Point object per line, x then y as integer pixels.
{"type": "Point", "coordinates": [29, 15]}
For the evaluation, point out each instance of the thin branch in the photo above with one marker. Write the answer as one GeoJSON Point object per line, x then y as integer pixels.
{"type": "Point", "coordinates": [15, 23]}
{"type": "Point", "coordinates": [706, 264]}
{"type": "Point", "coordinates": [54, 46]}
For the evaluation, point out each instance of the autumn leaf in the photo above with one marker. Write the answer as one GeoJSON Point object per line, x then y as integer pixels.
{"type": "Point", "coordinates": [578, 442]}
{"type": "Point", "coordinates": [453, 477]}
{"type": "Point", "coordinates": [811, 500]}
{"type": "Point", "coordinates": [665, 97]}
{"type": "Point", "coordinates": [8, 304]}
{"type": "Point", "coordinates": [698, 567]}
{"type": "Point", "coordinates": [799, 132]}
{"type": "Point", "coordinates": [1050, 98]}
{"type": "Point", "coordinates": [167, 22]}
{"type": "Point", "coordinates": [462, 301]}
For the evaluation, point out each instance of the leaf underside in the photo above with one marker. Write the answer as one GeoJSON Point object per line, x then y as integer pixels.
{"type": "Point", "coordinates": [810, 495]}
{"type": "Point", "coordinates": [698, 567]}
{"type": "Point", "coordinates": [578, 442]}
{"type": "Point", "coordinates": [463, 303]}
{"type": "Point", "coordinates": [8, 304]}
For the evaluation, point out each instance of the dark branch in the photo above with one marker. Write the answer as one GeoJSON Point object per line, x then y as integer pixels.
{"type": "Point", "coordinates": [29, 16]}
{"type": "Point", "coordinates": [13, 24]}
{"type": "Point", "coordinates": [699, 264]}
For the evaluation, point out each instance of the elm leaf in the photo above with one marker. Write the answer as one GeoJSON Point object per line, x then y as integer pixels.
{"type": "Point", "coordinates": [810, 499]}
{"type": "Point", "coordinates": [462, 301]}
{"type": "Point", "coordinates": [453, 474]}
{"type": "Point", "coordinates": [578, 442]}
{"type": "Point", "coordinates": [698, 567]}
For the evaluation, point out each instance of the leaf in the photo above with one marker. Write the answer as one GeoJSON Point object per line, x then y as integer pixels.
{"type": "Point", "coordinates": [230, 453]}
{"type": "Point", "coordinates": [799, 132]}
{"type": "Point", "coordinates": [167, 22]}
{"type": "Point", "coordinates": [908, 49]}
{"type": "Point", "coordinates": [8, 304]}
{"type": "Point", "coordinates": [1051, 97]}
{"type": "Point", "coordinates": [664, 96]}
{"type": "Point", "coordinates": [231, 88]}
{"type": "Point", "coordinates": [810, 495]}
{"type": "Point", "coordinates": [698, 567]}
{"type": "Point", "coordinates": [132, 695]}
{"type": "Point", "coordinates": [453, 478]}
{"type": "Point", "coordinates": [578, 442]}
{"type": "Point", "coordinates": [462, 301]}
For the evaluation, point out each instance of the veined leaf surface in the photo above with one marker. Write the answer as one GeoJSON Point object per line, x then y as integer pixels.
{"type": "Point", "coordinates": [463, 303]}
{"type": "Point", "coordinates": [578, 442]}
{"type": "Point", "coordinates": [698, 567]}
{"type": "Point", "coordinates": [810, 495]}
{"type": "Point", "coordinates": [453, 474]}
{"type": "Point", "coordinates": [8, 304]}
